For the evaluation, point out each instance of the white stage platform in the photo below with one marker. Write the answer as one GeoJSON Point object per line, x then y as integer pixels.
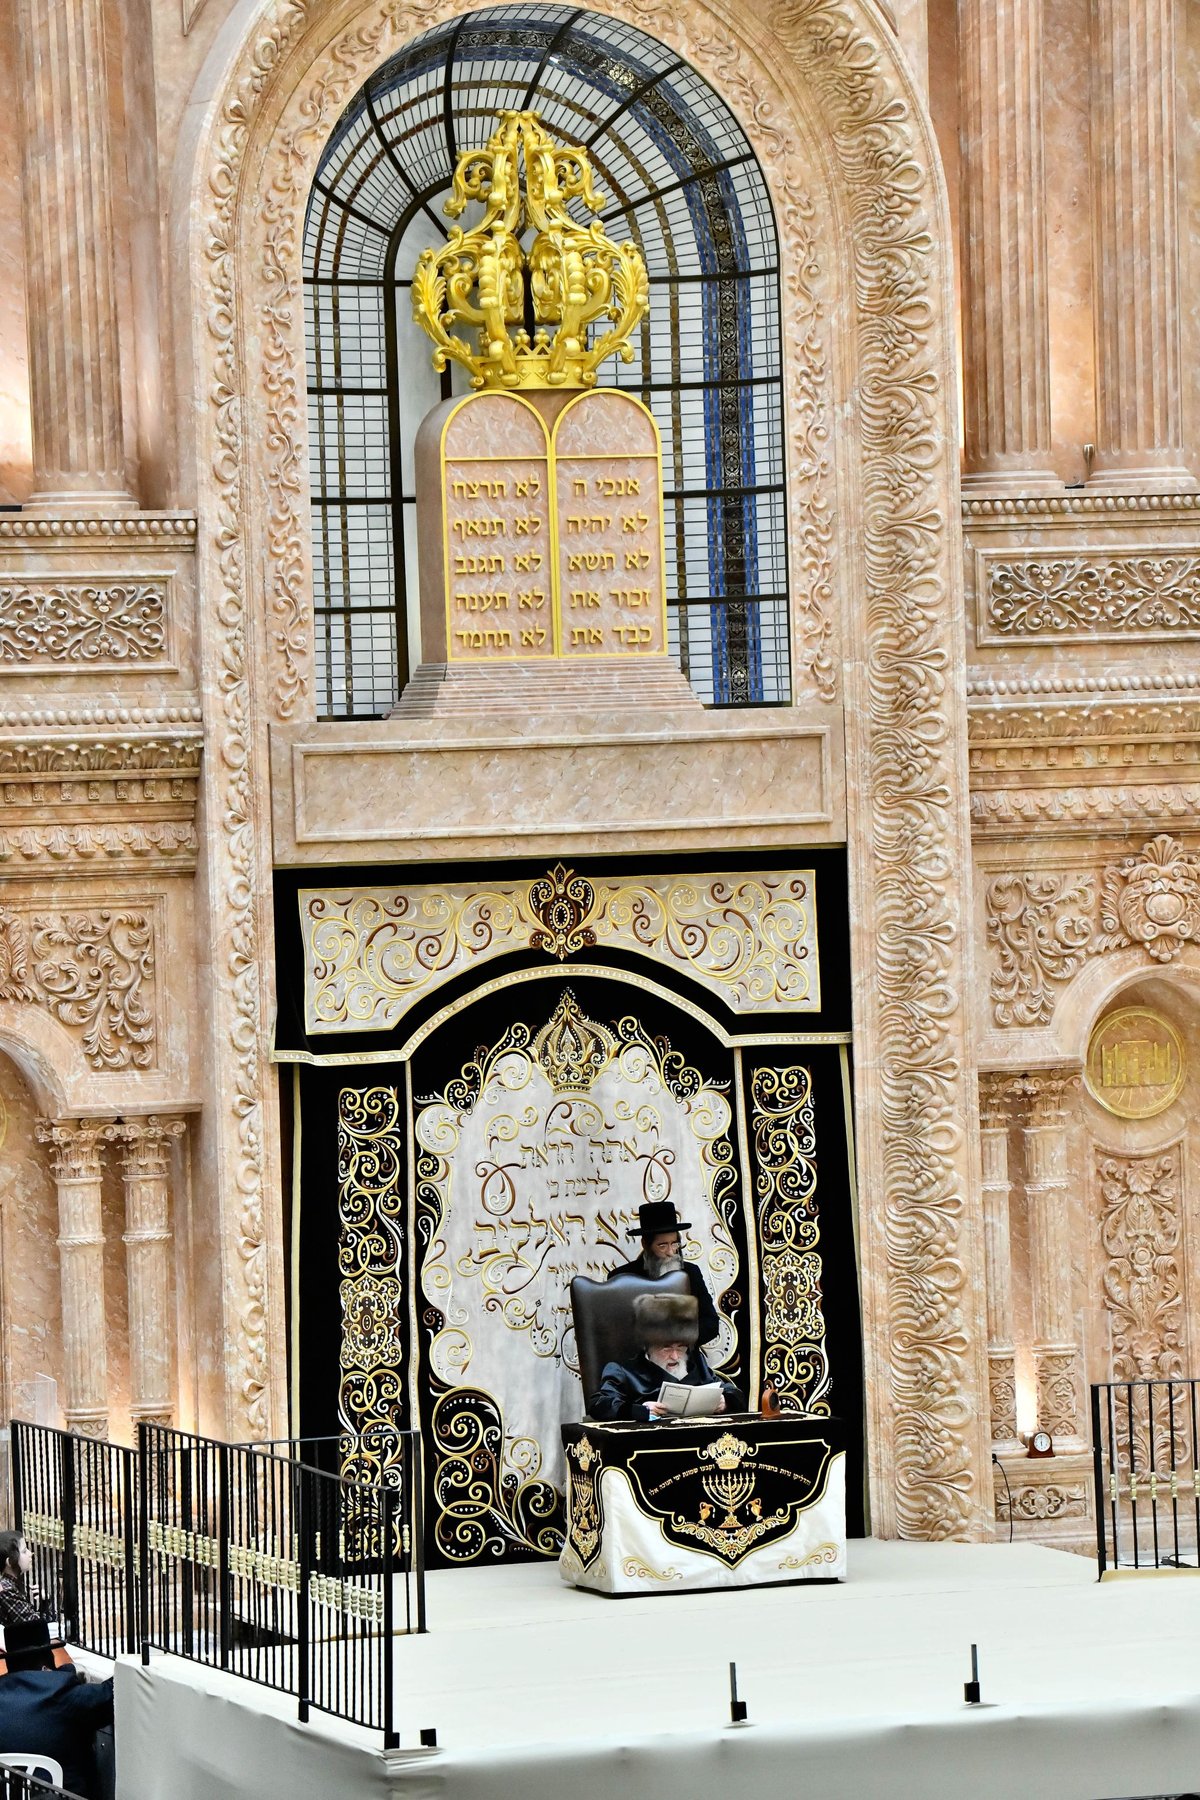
{"type": "Point", "coordinates": [1093, 1690]}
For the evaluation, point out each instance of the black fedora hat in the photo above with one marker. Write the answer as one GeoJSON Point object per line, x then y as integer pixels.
{"type": "Point", "coordinates": [656, 1216]}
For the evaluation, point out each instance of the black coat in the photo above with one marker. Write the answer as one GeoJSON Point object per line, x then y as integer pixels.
{"type": "Point", "coordinates": [710, 1325]}
{"type": "Point", "coordinates": [52, 1713]}
{"type": "Point", "coordinates": [625, 1387]}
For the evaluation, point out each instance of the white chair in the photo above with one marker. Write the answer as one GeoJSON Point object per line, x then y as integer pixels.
{"type": "Point", "coordinates": [43, 1768]}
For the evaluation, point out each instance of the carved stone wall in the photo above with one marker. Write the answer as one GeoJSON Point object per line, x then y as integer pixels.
{"type": "Point", "coordinates": [151, 677]}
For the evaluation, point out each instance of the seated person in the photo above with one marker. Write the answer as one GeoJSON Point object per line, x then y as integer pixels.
{"type": "Point", "coordinates": [666, 1327]}
{"type": "Point", "coordinates": [16, 1560]}
{"type": "Point", "coordinates": [51, 1712]}
{"type": "Point", "coordinates": [659, 1227]}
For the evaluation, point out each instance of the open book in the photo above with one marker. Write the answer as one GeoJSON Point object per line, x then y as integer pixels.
{"type": "Point", "coordinates": [686, 1402]}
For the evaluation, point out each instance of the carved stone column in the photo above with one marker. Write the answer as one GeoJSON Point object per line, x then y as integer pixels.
{"type": "Point", "coordinates": [75, 1154]}
{"type": "Point", "coordinates": [1006, 342]}
{"type": "Point", "coordinates": [1139, 388]}
{"type": "Point", "coordinates": [74, 349]}
{"type": "Point", "coordinates": [994, 1100]}
{"type": "Point", "coordinates": [1048, 1196]}
{"type": "Point", "coordinates": [145, 1165]}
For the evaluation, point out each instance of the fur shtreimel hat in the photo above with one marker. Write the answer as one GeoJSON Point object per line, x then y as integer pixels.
{"type": "Point", "coordinates": [666, 1318]}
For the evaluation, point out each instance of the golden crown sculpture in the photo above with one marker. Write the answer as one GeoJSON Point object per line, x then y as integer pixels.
{"type": "Point", "coordinates": [576, 274]}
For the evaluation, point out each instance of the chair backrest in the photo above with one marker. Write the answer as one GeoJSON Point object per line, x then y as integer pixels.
{"type": "Point", "coordinates": [44, 1768]}
{"type": "Point", "coordinates": [603, 1315]}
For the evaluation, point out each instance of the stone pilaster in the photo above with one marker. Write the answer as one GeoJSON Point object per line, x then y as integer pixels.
{"type": "Point", "coordinates": [997, 1191]}
{"type": "Point", "coordinates": [1047, 1193]}
{"type": "Point", "coordinates": [1006, 357]}
{"type": "Point", "coordinates": [148, 1238]}
{"type": "Point", "coordinates": [1139, 389]}
{"type": "Point", "coordinates": [74, 349]}
{"type": "Point", "coordinates": [75, 1156]}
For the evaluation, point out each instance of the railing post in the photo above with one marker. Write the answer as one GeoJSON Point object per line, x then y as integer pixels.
{"type": "Point", "coordinates": [223, 1519]}
{"type": "Point", "coordinates": [129, 1460]}
{"type": "Point", "coordinates": [416, 1509]}
{"type": "Point", "coordinates": [1098, 1467]}
{"type": "Point", "coordinates": [143, 1475]}
{"type": "Point", "coordinates": [70, 1582]}
{"type": "Point", "coordinates": [391, 1739]}
{"type": "Point", "coordinates": [304, 1559]}
{"type": "Point", "coordinates": [16, 1463]}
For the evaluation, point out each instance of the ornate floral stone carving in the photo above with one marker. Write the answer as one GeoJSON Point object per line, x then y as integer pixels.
{"type": "Point", "coordinates": [1058, 1392]}
{"type": "Point", "coordinates": [1043, 928]}
{"type": "Point", "coordinates": [1140, 1232]}
{"type": "Point", "coordinates": [99, 844]}
{"type": "Point", "coordinates": [14, 958]}
{"type": "Point", "coordinates": [93, 971]}
{"type": "Point", "coordinates": [1092, 595]}
{"type": "Point", "coordinates": [1002, 1391]}
{"type": "Point", "coordinates": [1055, 1501]}
{"type": "Point", "coordinates": [83, 622]}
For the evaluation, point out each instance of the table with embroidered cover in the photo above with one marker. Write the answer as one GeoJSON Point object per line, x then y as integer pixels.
{"type": "Point", "coordinates": [734, 1501]}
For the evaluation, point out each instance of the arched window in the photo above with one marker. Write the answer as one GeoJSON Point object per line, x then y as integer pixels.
{"type": "Point", "coordinates": [675, 173]}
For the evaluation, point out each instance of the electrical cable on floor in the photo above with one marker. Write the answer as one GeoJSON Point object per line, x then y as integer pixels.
{"type": "Point", "coordinates": [1008, 1491]}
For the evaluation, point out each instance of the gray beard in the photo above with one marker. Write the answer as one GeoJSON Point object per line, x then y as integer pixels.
{"type": "Point", "coordinates": [669, 1368]}
{"type": "Point", "coordinates": [660, 1265]}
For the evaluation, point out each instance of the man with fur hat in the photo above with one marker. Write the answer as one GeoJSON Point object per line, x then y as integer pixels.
{"type": "Point", "coordinates": [659, 1227]}
{"type": "Point", "coordinates": [51, 1710]}
{"type": "Point", "coordinates": [666, 1327]}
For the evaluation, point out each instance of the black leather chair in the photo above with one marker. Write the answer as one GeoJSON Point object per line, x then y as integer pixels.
{"type": "Point", "coordinates": [603, 1315]}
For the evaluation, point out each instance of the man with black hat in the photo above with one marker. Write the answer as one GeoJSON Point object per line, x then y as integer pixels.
{"type": "Point", "coordinates": [665, 1326]}
{"type": "Point", "coordinates": [46, 1711]}
{"type": "Point", "coordinates": [659, 1227]}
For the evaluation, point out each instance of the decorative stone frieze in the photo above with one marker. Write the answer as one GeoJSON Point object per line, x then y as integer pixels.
{"type": "Point", "coordinates": [1047, 598]}
{"type": "Point", "coordinates": [92, 624]}
{"type": "Point", "coordinates": [1011, 811]}
{"type": "Point", "coordinates": [1043, 927]}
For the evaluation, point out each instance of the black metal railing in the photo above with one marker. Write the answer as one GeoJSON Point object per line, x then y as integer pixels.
{"type": "Point", "coordinates": [1146, 1457]}
{"type": "Point", "coordinates": [16, 1785]}
{"type": "Point", "coordinates": [294, 1565]}
{"type": "Point", "coordinates": [76, 1503]}
{"type": "Point", "coordinates": [292, 1576]}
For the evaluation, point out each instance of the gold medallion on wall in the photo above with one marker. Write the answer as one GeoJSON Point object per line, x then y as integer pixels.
{"type": "Point", "coordinates": [1136, 1063]}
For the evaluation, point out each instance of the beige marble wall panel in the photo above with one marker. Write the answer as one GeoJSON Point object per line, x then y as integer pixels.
{"type": "Point", "coordinates": [1187, 125]}
{"type": "Point", "coordinates": [32, 1323]}
{"type": "Point", "coordinates": [346, 792]}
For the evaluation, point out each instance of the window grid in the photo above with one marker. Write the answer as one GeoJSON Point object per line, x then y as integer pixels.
{"type": "Point", "coordinates": [675, 173]}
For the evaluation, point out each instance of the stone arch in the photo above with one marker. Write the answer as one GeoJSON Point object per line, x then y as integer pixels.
{"type": "Point", "coordinates": [876, 601]}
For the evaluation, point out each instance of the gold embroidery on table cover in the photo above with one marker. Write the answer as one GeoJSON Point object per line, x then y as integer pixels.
{"type": "Point", "coordinates": [370, 1260]}
{"type": "Point", "coordinates": [785, 1188]}
{"type": "Point", "coordinates": [371, 953]}
{"type": "Point", "coordinates": [530, 1169]}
